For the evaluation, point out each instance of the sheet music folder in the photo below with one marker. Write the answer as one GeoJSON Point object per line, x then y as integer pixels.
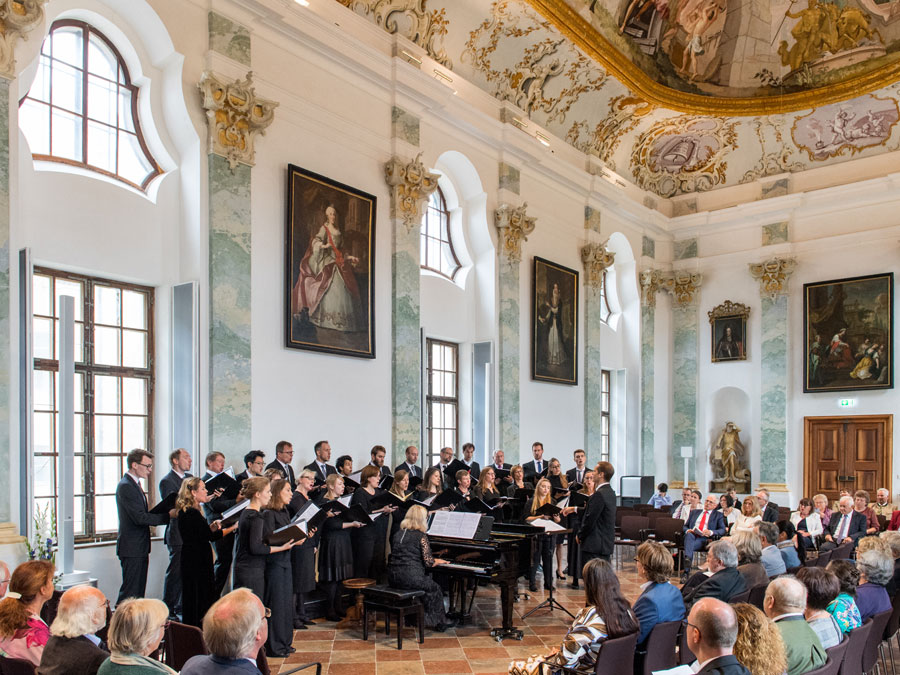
{"type": "Point", "coordinates": [458, 525]}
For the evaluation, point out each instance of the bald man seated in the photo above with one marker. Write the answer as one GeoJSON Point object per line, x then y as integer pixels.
{"type": "Point", "coordinates": [73, 647]}
{"type": "Point", "coordinates": [711, 633]}
{"type": "Point", "coordinates": [785, 604]}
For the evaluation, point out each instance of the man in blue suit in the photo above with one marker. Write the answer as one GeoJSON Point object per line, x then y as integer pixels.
{"type": "Point", "coordinates": [659, 600]}
{"type": "Point", "coordinates": [700, 527]}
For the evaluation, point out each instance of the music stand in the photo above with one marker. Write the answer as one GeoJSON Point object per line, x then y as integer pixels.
{"type": "Point", "coordinates": [551, 602]}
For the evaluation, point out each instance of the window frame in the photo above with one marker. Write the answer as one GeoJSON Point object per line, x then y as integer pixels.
{"type": "Point", "coordinates": [87, 369]}
{"type": "Point", "coordinates": [432, 241]}
{"type": "Point", "coordinates": [605, 414]}
{"type": "Point", "coordinates": [88, 29]}
{"type": "Point", "coordinates": [433, 454]}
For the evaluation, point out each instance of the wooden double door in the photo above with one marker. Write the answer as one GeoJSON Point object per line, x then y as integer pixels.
{"type": "Point", "coordinates": [852, 453]}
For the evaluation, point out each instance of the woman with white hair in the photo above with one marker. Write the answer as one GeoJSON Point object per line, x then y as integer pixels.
{"type": "Point", "coordinates": [875, 569]}
{"type": "Point", "coordinates": [135, 632]}
{"type": "Point", "coordinates": [73, 647]}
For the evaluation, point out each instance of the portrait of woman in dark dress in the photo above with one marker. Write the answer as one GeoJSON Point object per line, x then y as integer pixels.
{"type": "Point", "coordinates": [410, 558]}
{"type": "Point", "coordinates": [199, 587]}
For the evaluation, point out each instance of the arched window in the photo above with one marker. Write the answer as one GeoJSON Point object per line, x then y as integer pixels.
{"type": "Point", "coordinates": [605, 311]}
{"type": "Point", "coordinates": [436, 248]}
{"type": "Point", "coordinates": [82, 109]}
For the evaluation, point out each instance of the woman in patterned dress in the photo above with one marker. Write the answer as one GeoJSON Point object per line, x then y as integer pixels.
{"type": "Point", "coordinates": [23, 633]}
{"type": "Point", "coordinates": [843, 608]}
{"type": "Point", "coordinates": [607, 615]}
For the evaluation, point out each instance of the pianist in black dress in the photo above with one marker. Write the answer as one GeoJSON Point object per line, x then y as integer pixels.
{"type": "Point", "coordinates": [199, 592]}
{"type": "Point", "coordinates": [560, 484]}
{"type": "Point", "coordinates": [579, 501]}
{"type": "Point", "coordinates": [487, 491]}
{"type": "Point", "coordinates": [400, 489]}
{"type": "Point", "coordinates": [410, 557]}
{"type": "Point", "coordinates": [335, 550]}
{"type": "Point", "coordinates": [303, 556]}
{"type": "Point", "coordinates": [250, 549]}
{"type": "Point", "coordinates": [543, 549]}
{"type": "Point", "coordinates": [279, 577]}
{"type": "Point", "coordinates": [370, 543]}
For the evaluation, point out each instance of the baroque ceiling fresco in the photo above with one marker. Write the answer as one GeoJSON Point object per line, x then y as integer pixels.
{"type": "Point", "coordinates": [678, 96]}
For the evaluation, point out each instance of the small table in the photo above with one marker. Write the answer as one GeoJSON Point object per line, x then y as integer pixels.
{"type": "Point", "coordinates": [355, 613]}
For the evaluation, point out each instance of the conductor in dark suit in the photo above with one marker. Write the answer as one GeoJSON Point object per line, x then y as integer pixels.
{"type": "Point", "coordinates": [135, 521]}
{"type": "Point", "coordinates": [769, 510]}
{"type": "Point", "coordinates": [378, 454]}
{"type": "Point", "coordinates": [711, 632]}
{"type": "Point", "coordinates": [284, 454]}
{"type": "Point", "coordinates": [468, 453]}
{"type": "Point", "coordinates": [412, 463]}
{"type": "Point", "coordinates": [576, 475]}
{"type": "Point", "coordinates": [846, 525]}
{"type": "Point", "coordinates": [255, 463]}
{"type": "Point", "coordinates": [537, 465]}
{"type": "Point", "coordinates": [320, 466]}
{"type": "Point", "coordinates": [214, 508]}
{"type": "Point", "coordinates": [598, 526]}
{"type": "Point", "coordinates": [180, 461]}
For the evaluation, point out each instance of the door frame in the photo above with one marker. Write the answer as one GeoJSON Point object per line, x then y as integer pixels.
{"type": "Point", "coordinates": [887, 461]}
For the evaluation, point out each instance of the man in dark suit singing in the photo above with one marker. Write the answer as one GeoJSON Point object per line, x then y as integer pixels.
{"type": "Point", "coordinates": [447, 482]}
{"type": "Point", "coordinates": [181, 461]}
{"type": "Point", "coordinates": [255, 463]}
{"type": "Point", "coordinates": [537, 465]}
{"type": "Point", "coordinates": [215, 464]}
{"type": "Point", "coordinates": [284, 454]}
{"type": "Point", "coordinates": [135, 521]}
{"type": "Point", "coordinates": [320, 465]}
{"type": "Point", "coordinates": [412, 463]}
{"type": "Point", "coordinates": [701, 526]}
{"type": "Point", "coordinates": [378, 454]}
{"type": "Point", "coordinates": [576, 475]}
{"type": "Point", "coordinates": [846, 525]}
{"type": "Point", "coordinates": [468, 454]}
{"type": "Point", "coordinates": [710, 633]}
{"type": "Point", "coordinates": [598, 526]}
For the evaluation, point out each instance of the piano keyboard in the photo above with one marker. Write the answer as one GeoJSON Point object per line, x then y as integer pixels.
{"type": "Point", "coordinates": [462, 566]}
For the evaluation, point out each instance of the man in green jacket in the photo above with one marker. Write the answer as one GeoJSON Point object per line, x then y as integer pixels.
{"type": "Point", "coordinates": [785, 603]}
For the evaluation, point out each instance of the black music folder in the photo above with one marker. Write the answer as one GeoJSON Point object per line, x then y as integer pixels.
{"type": "Point", "coordinates": [285, 534]}
{"type": "Point", "coordinates": [414, 482]}
{"type": "Point", "coordinates": [523, 493]}
{"type": "Point", "coordinates": [479, 505]}
{"type": "Point", "coordinates": [446, 498]}
{"type": "Point", "coordinates": [230, 487]}
{"type": "Point", "coordinates": [454, 466]}
{"type": "Point", "coordinates": [386, 498]}
{"type": "Point", "coordinates": [386, 483]}
{"type": "Point", "coordinates": [231, 516]}
{"type": "Point", "coordinates": [499, 474]}
{"type": "Point", "coordinates": [165, 505]}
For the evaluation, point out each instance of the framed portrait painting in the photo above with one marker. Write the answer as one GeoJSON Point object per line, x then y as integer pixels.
{"type": "Point", "coordinates": [848, 327]}
{"type": "Point", "coordinates": [554, 335]}
{"type": "Point", "coordinates": [728, 323]}
{"type": "Point", "coordinates": [329, 266]}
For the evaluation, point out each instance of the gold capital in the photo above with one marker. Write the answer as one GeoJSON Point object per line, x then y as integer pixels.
{"type": "Point", "coordinates": [411, 185]}
{"type": "Point", "coordinates": [514, 226]}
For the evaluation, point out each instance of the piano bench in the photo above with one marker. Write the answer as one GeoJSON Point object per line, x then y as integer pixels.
{"type": "Point", "coordinates": [394, 602]}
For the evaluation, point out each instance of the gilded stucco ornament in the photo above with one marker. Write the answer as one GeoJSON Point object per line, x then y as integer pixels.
{"type": "Point", "coordinates": [773, 275]}
{"type": "Point", "coordinates": [514, 226]}
{"type": "Point", "coordinates": [684, 286]}
{"type": "Point", "coordinates": [728, 308]}
{"type": "Point", "coordinates": [649, 287]}
{"type": "Point", "coordinates": [235, 115]}
{"type": "Point", "coordinates": [597, 259]}
{"type": "Point", "coordinates": [17, 18]}
{"type": "Point", "coordinates": [411, 184]}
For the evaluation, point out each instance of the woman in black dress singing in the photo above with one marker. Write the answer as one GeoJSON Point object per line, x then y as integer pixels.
{"type": "Point", "coordinates": [279, 578]}
{"type": "Point", "coordinates": [431, 484]}
{"type": "Point", "coordinates": [250, 550]}
{"type": "Point", "coordinates": [579, 502]}
{"type": "Point", "coordinates": [410, 557]}
{"type": "Point", "coordinates": [303, 556]}
{"type": "Point", "coordinates": [560, 484]}
{"type": "Point", "coordinates": [369, 544]}
{"type": "Point", "coordinates": [335, 550]}
{"type": "Point", "coordinates": [400, 489]}
{"type": "Point", "coordinates": [543, 550]}
{"type": "Point", "coordinates": [199, 587]}
{"type": "Point", "coordinates": [487, 491]}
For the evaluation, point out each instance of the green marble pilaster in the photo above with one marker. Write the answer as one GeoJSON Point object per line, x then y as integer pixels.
{"type": "Point", "coordinates": [773, 438]}
{"type": "Point", "coordinates": [229, 309]}
{"type": "Point", "coordinates": [406, 364]}
{"type": "Point", "coordinates": [648, 319]}
{"type": "Point", "coordinates": [593, 436]}
{"type": "Point", "coordinates": [5, 354]}
{"type": "Point", "coordinates": [229, 38]}
{"type": "Point", "coordinates": [684, 389]}
{"type": "Point", "coordinates": [508, 402]}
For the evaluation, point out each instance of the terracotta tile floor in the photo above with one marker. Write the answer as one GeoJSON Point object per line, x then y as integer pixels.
{"type": "Point", "coordinates": [465, 649]}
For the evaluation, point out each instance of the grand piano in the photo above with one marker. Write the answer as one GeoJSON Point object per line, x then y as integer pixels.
{"type": "Point", "coordinates": [500, 560]}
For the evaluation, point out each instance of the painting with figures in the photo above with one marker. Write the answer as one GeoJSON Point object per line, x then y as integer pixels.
{"type": "Point", "coordinates": [329, 267]}
{"type": "Point", "coordinates": [554, 335]}
{"type": "Point", "coordinates": [848, 329]}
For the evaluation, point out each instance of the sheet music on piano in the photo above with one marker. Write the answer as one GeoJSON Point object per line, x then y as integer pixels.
{"type": "Point", "coordinates": [454, 524]}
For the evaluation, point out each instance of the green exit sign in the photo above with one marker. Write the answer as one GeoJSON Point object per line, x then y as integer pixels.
{"type": "Point", "coordinates": [847, 402]}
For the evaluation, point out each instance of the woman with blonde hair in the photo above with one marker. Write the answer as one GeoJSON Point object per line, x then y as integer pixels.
{"type": "Point", "coordinates": [135, 632]}
{"type": "Point", "coordinates": [410, 557]}
{"type": "Point", "coordinates": [560, 484]}
{"type": "Point", "coordinates": [199, 585]}
{"type": "Point", "coordinates": [543, 550]}
{"type": "Point", "coordinates": [749, 555]}
{"type": "Point", "coordinates": [759, 646]}
{"type": "Point", "coordinates": [335, 549]}
{"type": "Point", "coordinates": [23, 633]}
{"type": "Point", "coordinates": [749, 516]}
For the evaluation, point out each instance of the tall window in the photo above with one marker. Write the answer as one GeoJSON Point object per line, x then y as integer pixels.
{"type": "Point", "coordinates": [82, 109]}
{"type": "Point", "coordinates": [604, 300]}
{"type": "Point", "coordinates": [604, 414]}
{"type": "Point", "coordinates": [436, 248]}
{"type": "Point", "coordinates": [113, 390]}
{"type": "Point", "coordinates": [442, 398]}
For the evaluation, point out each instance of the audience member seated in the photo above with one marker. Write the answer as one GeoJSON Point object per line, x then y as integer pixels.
{"type": "Point", "coordinates": [749, 554]}
{"type": "Point", "coordinates": [135, 632]}
{"type": "Point", "coordinates": [821, 506]}
{"type": "Point", "coordinates": [700, 527]}
{"type": "Point", "coordinates": [771, 556]}
{"type": "Point", "coordinates": [822, 587]}
{"type": "Point", "coordinates": [785, 604]}
{"type": "Point", "coordinates": [711, 632]}
{"type": "Point", "coordinates": [606, 615]}
{"type": "Point", "coordinates": [846, 525]}
{"type": "Point", "coordinates": [409, 560]}
{"type": "Point", "coordinates": [750, 515]}
{"type": "Point", "coordinates": [4, 578]}
{"type": "Point", "coordinates": [23, 633]}
{"type": "Point", "coordinates": [875, 569]}
{"type": "Point", "coordinates": [659, 600]}
{"type": "Point", "coordinates": [234, 629]}
{"type": "Point", "coordinates": [759, 646]}
{"type": "Point", "coordinates": [729, 512]}
{"type": "Point", "coordinates": [786, 545]}
{"type": "Point", "coordinates": [807, 522]}
{"type": "Point", "coordinates": [843, 608]}
{"type": "Point", "coordinates": [882, 505]}
{"type": "Point", "coordinates": [73, 647]}
{"type": "Point", "coordinates": [893, 541]}
{"type": "Point", "coordinates": [861, 505]}
{"type": "Point", "coordinates": [725, 581]}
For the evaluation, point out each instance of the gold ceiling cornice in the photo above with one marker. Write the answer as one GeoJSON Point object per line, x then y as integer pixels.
{"type": "Point", "coordinates": [574, 26]}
